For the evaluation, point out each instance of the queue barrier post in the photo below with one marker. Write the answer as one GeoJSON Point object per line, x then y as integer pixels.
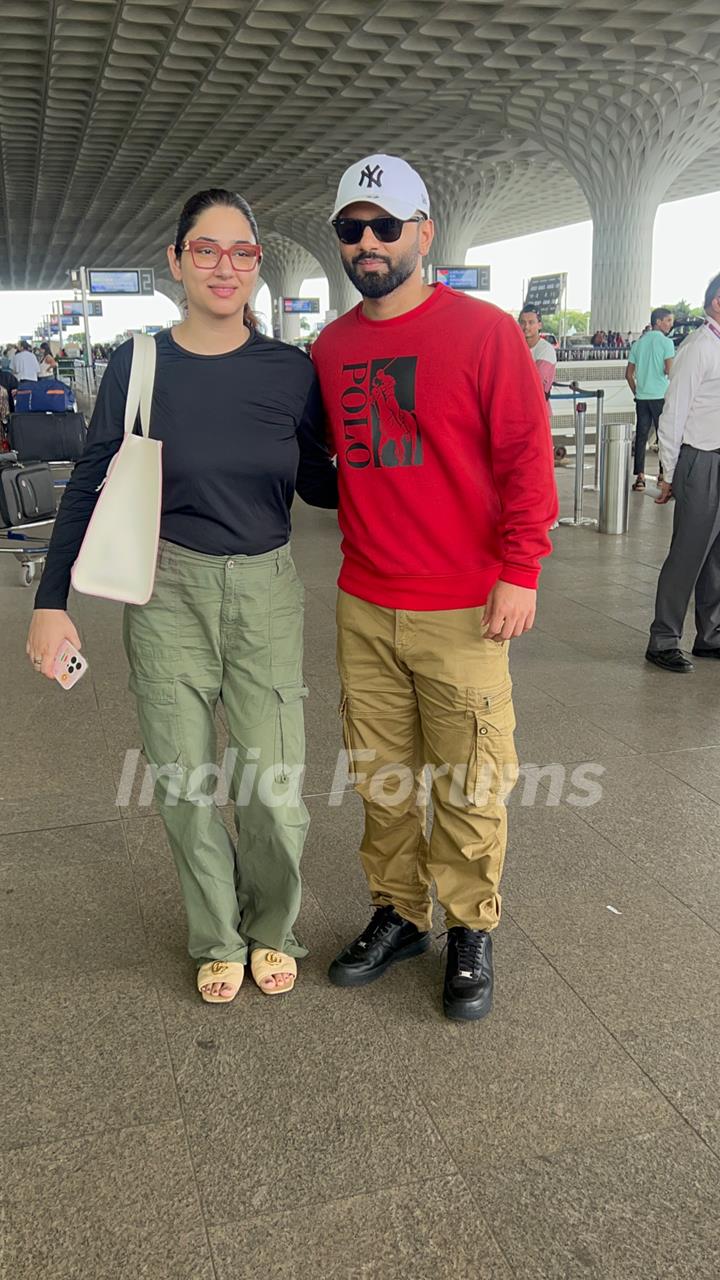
{"type": "Point", "coordinates": [599, 440]}
{"type": "Point", "coordinates": [577, 518]}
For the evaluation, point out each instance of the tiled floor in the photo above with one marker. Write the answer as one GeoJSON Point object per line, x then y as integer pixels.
{"type": "Point", "coordinates": [360, 1136]}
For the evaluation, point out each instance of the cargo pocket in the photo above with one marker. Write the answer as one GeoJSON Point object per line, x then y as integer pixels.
{"type": "Point", "coordinates": [289, 729]}
{"type": "Point", "coordinates": [492, 767]}
{"type": "Point", "coordinates": [157, 716]}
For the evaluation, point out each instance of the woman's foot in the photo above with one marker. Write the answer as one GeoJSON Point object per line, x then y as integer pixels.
{"type": "Point", "coordinates": [273, 971]}
{"type": "Point", "coordinates": [639, 484]}
{"type": "Point", "coordinates": [219, 981]}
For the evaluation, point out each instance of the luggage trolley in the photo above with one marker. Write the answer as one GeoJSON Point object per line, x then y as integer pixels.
{"type": "Point", "coordinates": [29, 549]}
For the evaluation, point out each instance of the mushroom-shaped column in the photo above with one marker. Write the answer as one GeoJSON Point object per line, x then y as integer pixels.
{"type": "Point", "coordinates": [464, 198]}
{"type": "Point", "coordinates": [314, 232]}
{"type": "Point", "coordinates": [285, 265]}
{"type": "Point", "coordinates": [626, 137]}
{"type": "Point", "coordinates": [172, 289]}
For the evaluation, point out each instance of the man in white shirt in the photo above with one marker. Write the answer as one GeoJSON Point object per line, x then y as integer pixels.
{"type": "Point", "coordinates": [690, 455]}
{"type": "Point", "coordinates": [25, 365]}
{"type": "Point", "coordinates": [542, 352]}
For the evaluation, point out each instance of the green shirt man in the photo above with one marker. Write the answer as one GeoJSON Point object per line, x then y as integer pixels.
{"type": "Point", "coordinates": [650, 359]}
{"type": "Point", "coordinates": [647, 375]}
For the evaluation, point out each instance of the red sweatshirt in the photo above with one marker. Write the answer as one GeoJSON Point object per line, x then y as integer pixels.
{"type": "Point", "coordinates": [444, 453]}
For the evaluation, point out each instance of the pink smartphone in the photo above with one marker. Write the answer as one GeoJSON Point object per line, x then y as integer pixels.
{"type": "Point", "coordinates": [69, 665]}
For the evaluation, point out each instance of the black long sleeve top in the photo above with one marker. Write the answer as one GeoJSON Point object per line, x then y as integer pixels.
{"type": "Point", "coordinates": [241, 433]}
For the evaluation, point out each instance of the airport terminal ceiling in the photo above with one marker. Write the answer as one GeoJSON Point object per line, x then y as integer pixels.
{"type": "Point", "coordinates": [519, 115]}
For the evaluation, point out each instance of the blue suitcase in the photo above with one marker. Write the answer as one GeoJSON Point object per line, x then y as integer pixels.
{"type": "Point", "coordinates": [47, 395]}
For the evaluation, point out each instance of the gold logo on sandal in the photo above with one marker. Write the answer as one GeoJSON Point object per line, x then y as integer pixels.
{"type": "Point", "coordinates": [219, 967]}
{"type": "Point", "coordinates": [272, 957]}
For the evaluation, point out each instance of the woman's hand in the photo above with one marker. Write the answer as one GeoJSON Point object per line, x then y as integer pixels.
{"type": "Point", "coordinates": [49, 629]}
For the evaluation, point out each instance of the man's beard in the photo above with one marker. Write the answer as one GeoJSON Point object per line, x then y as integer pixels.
{"type": "Point", "coordinates": [378, 284]}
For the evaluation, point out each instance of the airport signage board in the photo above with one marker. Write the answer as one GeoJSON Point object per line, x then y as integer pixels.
{"type": "Point", "coordinates": [545, 293]}
{"type": "Point", "coordinates": [473, 279]}
{"type": "Point", "coordinates": [74, 309]}
{"type": "Point", "coordinates": [301, 306]}
{"type": "Point", "coordinates": [135, 280]}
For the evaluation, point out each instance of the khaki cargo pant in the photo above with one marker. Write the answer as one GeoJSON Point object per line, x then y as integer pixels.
{"type": "Point", "coordinates": [229, 629]}
{"type": "Point", "coordinates": [426, 689]}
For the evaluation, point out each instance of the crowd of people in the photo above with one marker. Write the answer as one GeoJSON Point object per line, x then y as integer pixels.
{"type": "Point", "coordinates": [610, 341]}
{"type": "Point", "coordinates": [28, 364]}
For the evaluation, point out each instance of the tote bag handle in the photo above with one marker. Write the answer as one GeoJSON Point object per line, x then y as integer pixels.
{"type": "Point", "coordinates": [141, 383]}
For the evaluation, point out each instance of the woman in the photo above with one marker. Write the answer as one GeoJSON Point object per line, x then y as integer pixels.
{"type": "Point", "coordinates": [46, 362]}
{"type": "Point", "coordinates": [240, 420]}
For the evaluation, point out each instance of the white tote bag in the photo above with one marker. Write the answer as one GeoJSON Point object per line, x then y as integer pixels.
{"type": "Point", "coordinates": [119, 552]}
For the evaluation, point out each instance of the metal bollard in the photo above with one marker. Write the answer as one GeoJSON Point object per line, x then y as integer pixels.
{"type": "Point", "coordinates": [615, 478]}
{"type": "Point", "coordinates": [577, 517]}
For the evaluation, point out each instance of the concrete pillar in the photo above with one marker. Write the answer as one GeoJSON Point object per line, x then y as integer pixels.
{"type": "Point", "coordinates": [286, 264]}
{"type": "Point", "coordinates": [172, 289]}
{"type": "Point", "coordinates": [463, 198]}
{"type": "Point", "coordinates": [625, 143]}
{"type": "Point", "coordinates": [321, 241]}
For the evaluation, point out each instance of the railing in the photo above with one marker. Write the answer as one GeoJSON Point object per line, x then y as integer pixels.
{"type": "Point", "coordinates": [582, 354]}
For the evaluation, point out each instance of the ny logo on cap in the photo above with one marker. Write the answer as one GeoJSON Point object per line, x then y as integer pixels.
{"type": "Point", "coordinates": [372, 176]}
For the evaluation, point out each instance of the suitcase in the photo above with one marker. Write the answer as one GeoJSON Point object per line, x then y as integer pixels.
{"type": "Point", "coordinates": [50, 395]}
{"type": "Point", "coordinates": [54, 437]}
{"type": "Point", "coordinates": [23, 397]}
{"type": "Point", "coordinates": [27, 492]}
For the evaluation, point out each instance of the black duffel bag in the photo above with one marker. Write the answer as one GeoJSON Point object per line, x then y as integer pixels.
{"type": "Point", "coordinates": [54, 437]}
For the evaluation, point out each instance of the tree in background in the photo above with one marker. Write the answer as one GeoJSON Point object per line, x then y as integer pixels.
{"type": "Point", "coordinates": [683, 311]}
{"type": "Point", "coordinates": [574, 322]}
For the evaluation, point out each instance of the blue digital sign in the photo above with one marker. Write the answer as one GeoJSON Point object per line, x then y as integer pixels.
{"type": "Point", "coordinates": [475, 279]}
{"type": "Point", "coordinates": [301, 306]}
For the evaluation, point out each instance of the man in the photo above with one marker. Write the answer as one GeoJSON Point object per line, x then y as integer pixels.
{"type": "Point", "coordinates": [542, 352]}
{"type": "Point", "coordinates": [647, 374]}
{"type": "Point", "coordinates": [25, 365]}
{"type": "Point", "coordinates": [446, 495]}
{"type": "Point", "coordinates": [690, 456]}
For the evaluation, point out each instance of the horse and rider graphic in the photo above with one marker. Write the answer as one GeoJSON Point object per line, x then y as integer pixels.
{"type": "Point", "coordinates": [396, 432]}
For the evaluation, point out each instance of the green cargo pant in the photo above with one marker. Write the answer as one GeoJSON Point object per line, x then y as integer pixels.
{"type": "Point", "coordinates": [228, 628]}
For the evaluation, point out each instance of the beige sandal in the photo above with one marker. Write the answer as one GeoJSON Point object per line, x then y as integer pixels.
{"type": "Point", "coordinates": [264, 964]}
{"type": "Point", "coordinates": [225, 971]}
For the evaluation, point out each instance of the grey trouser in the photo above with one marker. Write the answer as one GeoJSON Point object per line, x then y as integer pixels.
{"type": "Point", "coordinates": [230, 629]}
{"type": "Point", "coordinates": [694, 556]}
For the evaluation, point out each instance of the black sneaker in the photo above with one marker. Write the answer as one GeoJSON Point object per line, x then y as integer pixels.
{"type": "Point", "coordinates": [468, 990]}
{"type": "Point", "coordinates": [386, 939]}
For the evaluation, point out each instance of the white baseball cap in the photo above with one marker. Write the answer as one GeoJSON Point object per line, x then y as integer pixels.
{"type": "Point", "coordinates": [386, 181]}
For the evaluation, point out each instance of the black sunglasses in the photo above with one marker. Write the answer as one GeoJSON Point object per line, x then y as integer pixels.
{"type": "Point", "coordinates": [387, 230]}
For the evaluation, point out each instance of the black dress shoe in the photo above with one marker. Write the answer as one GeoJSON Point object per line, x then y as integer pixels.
{"type": "Point", "coordinates": [706, 653]}
{"type": "Point", "coordinates": [468, 991]}
{"type": "Point", "coordinates": [387, 938]}
{"type": "Point", "coordinates": [670, 660]}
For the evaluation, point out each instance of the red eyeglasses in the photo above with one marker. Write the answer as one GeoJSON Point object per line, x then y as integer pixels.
{"type": "Point", "coordinates": [207, 255]}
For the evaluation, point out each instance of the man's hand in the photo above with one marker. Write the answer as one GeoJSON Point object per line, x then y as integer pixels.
{"type": "Point", "coordinates": [509, 611]}
{"type": "Point", "coordinates": [666, 492]}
